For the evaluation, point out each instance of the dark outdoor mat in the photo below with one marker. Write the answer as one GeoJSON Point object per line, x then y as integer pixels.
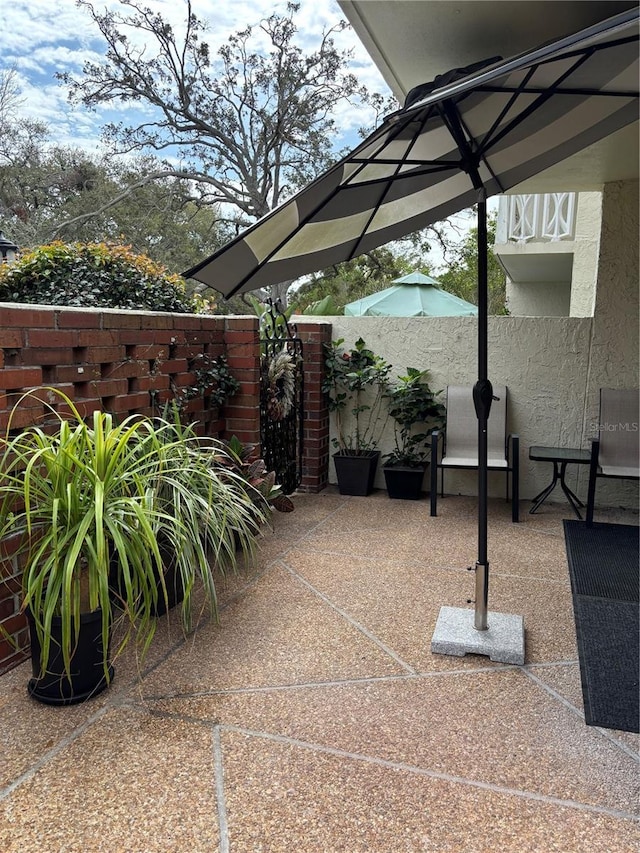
{"type": "Point", "coordinates": [603, 565]}
{"type": "Point", "coordinates": [603, 560]}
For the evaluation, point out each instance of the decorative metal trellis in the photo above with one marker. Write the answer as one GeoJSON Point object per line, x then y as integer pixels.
{"type": "Point", "coordinates": [281, 397]}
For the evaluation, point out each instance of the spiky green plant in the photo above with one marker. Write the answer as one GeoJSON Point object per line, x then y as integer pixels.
{"type": "Point", "coordinates": [82, 497]}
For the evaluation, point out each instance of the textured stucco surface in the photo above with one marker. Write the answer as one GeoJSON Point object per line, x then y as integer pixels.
{"type": "Point", "coordinates": [540, 359]}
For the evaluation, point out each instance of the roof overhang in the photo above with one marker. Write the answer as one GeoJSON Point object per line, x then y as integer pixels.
{"type": "Point", "coordinates": [411, 42]}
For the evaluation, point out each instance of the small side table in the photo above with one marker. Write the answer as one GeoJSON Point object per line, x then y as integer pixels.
{"type": "Point", "coordinates": [560, 457]}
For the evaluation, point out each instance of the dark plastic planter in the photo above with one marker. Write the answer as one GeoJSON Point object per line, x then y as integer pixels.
{"type": "Point", "coordinates": [356, 472]}
{"type": "Point", "coordinates": [404, 482]}
{"type": "Point", "coordinates": [87, 677]}
{"type": "Point", "coordinates": [172, 579]}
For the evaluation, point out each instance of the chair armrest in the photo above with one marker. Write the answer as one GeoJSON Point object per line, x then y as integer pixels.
{"type": "Point", "coordinates": [593, 474]}
{"type": "Point", "coordinates": [435, 436]}
{"type": "Point", "coordinates": [513, 462]}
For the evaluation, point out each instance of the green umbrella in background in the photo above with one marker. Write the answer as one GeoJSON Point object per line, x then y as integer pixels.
{"type": "Point", "coordinates": [413, 295]}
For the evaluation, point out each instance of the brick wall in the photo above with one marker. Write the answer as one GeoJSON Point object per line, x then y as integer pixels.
{"type": "Point", "coordinates": [315, 461]}
{"type": "Point", "coordinates": [128, 362]}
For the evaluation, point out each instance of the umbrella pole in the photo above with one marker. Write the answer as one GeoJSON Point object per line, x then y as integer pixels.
{"type": "Point", "coordinates": [482, 395]}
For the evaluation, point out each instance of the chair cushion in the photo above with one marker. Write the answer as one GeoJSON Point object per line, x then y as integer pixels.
{"type": "Point", "coordinates": [619, 471]}
{"type": "Point", "coordinates": [462, 426]}
{"type": "Point", "coordinates": [471, 462]}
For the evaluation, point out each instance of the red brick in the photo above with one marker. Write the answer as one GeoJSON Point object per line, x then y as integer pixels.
{"type": "Point", "coordinates": [51, 338]}
{"type": "Point", "coordinates": [233, 338]}
{"type": "Point", "coordinates": [103, 355]}
{"type": "Point", "coordinates": [26, 317]}
{"type": "Point", "coordinates": [12, 584]}
{"type": "Point", "coordinates": [173, 365]}
{"type": "Point", "coordinates": [86, 405]}
{"type": "Point", "coordinates": [128, 369]}
{"type": "Point", "coordinates": [8, 606]}
{"type": "Point", "coordinates": [13, 624]}
{"type": "Point", "coordinates": [130, 402]}
{"type": "Point", "coordinates": [150, 351]}
{"type": "Point", "coordinates": [93, 338]}
{"type": "Point", "coordinates": [187, 350]}
{"type": "Point", "coordinates": [120, 320]}
{"type": "Point", "coordinates": [13, 660]}
{"type": "Point", "coordinates": [12, 338]}
{"type": "Point", "coordinates": [46, 356]}
{"type": "Point", "coordinates": [74, 319]}
{"type": "Point", "coordinates": [241, 322]}
{"type": "Point", "coordinates": [156, 321]}
{"type": "Point", "coordinates": [20, 377]}
{"type": "Point", "coordinates": [154, 382]}
{"type": "Point", "coordinates": [109, 387]}
{"type": "Point", "coordinates": [78, 372]}
{"type": "Point", "coordinates": [244, 362]}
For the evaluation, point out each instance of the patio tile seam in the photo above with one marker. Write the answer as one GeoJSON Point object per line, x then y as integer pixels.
{"type": "Point", "coordinates": [580, 714]}
{"type": "Point", "coordinates": [504, 790]}
{"type": "Point", "coordinates": [51, 753]}
{"type": "Point", "coordinates": [353, 622]}
{"type": "Point", "coordinates": [420, 563]}
{"type": "Point", "coordinates": [320, 685]}
{"type": "Point", "coordinates": [218, 766]}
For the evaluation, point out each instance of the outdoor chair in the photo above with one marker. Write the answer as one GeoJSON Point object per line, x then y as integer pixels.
{"type": "Point", "coordinates": [460, 444]}
{"type": "Point", "coordinates": [616, 451]}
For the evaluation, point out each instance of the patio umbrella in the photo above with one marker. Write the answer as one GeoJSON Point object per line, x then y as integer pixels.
{"type": "Point", "coordinates": [469, 134]}
{"type": "Point", "coordinates": [412, 295]}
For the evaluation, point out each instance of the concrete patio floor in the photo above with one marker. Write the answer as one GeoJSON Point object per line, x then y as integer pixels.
{"type": "Point", "coordinates": [314, 717]}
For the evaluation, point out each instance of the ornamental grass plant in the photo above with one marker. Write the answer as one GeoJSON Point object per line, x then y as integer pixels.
{"type": "Point", "coordinates": [80, 500]}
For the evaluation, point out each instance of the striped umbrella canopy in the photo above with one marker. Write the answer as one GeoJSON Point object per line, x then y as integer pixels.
{"type": "Point", "coordinates": [489, 130]}
{"type": "Point", "coordinates": [469, 134]}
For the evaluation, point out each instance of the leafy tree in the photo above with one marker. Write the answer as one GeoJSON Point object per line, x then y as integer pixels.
{"type": "Point", "coordinates": [461, 278]}
{"type": "Point", "coordinates": [92, 275]}
{"type": "Point", "coordinates": [50, 192]}
{"type": "Point", "coordinates": [250, 123]}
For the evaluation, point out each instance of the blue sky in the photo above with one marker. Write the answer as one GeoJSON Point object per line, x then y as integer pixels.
{"type": "Point", "coordinates": [42, 37]}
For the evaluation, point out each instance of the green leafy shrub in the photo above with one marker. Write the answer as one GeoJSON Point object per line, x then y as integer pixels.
{"type": "Point", "coordinates": [93, 275]}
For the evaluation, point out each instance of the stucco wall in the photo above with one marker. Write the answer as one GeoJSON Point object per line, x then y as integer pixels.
{"type": "Point", "coordinates": [539, 299]}
{"type": "Point", "coordinates": [615, 346]}
{"type": "Point", "coordinates": [585, 260]}
{"type": "Point", "coordinates": [541, 360]}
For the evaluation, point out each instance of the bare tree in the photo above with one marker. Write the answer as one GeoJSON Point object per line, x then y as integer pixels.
{"type": "Point", "coordinates": [249, 123]}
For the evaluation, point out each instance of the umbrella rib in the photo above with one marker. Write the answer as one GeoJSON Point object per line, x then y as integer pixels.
{"type": "Point", "coordinates": [417, 172]}
{"type": "Point", "coordinates": [392, 134]}
{"type": "Point", "coordinates": [540, 90]}
{"type": "Point", "coordinates": [489, 142]}
{"type": "Point", "coordinates": [354, 252]}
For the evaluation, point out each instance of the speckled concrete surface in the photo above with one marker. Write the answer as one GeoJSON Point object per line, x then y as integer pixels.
{"type": "Point", "coordinates": [313, 716]}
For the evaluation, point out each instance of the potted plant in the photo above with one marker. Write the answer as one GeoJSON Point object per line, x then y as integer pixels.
{"type": "Point", "coordinates": [355, 382]}
{"type": "Point", "coordinates": [78, 498]}
{"type": "Point", "coordinates": [73, 495]}
{"type": "Point", "coordinates": [416, 414]}
{"type": "Point", "coordinates": [204, 515]}
{"type": "Point", "coordinates": [259, 484]}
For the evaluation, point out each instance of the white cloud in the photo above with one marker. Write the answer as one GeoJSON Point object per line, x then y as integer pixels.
{"type": "Point", "coordinates": [49, 38]}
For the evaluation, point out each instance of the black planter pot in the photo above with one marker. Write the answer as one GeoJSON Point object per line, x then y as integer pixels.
{"type": "Point", "coordinates": [356, 472]}
{"type": "Point", "coordinates": [172, 579]}
{"type": "Point", "coordinates": [404, 481]}
{"type": "Point", "coordinates": [87, 676]}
